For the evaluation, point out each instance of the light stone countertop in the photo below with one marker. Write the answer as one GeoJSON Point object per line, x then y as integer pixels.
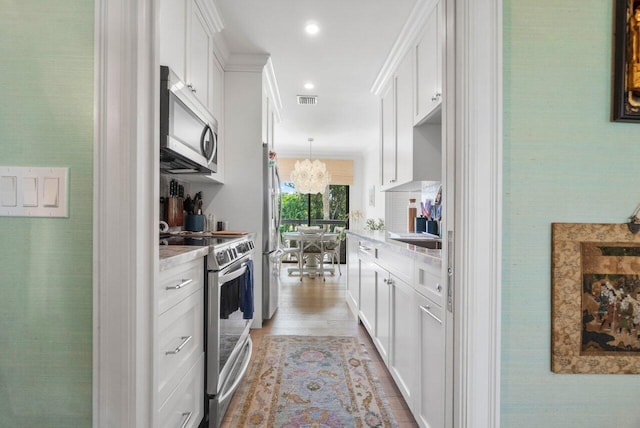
{"type": "Point", "coordinates": [381, 236]}
{"type": "Point", "coordinates": [173, 255]}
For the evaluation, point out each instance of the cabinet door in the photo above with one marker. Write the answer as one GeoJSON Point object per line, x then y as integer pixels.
{"type": "Point", "coordinates": [404, 120]}
{"type": "Point", "coordinates": [368, 294]}
{"type": "Point", "coordinates": [431, 403]}
{"type": "Point", "coordinates": [403, 361]}
{"type": "Point", "coordinates": [353, 274]}
{"type": "Point", "coordinates": [382, 338]}
{"type": "Point", "coordinates": [388, 135]}
{"type": "Point", "coordinates": [172, 20]}
{"type": "Point", "coordinates": [428, 66]}
{"type": "Point", "coordinates": [217, 92]}
{"type": "Point", "coordinates": [198, 56]}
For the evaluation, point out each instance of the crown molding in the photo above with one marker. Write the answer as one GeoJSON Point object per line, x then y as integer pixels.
{"type": "Point", "coordinates": [211, 15]}
{"type": "Point", "coordinates": [253, 63]}
{"type": "Point", "coordinates": [412, 29]}
{"type": "Point", "coordinates": [271, 87]}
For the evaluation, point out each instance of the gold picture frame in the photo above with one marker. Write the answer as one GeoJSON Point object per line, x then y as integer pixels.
{"type": "Point", "coordinates": [626, 62]}
{"type": "Point", "coordinates": [595, 299]}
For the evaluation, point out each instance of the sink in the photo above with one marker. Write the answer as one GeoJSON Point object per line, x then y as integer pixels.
{"type": "Point", "coordinates": [424, 240]}
{"type": "Point", "coordinates": [433, 244]}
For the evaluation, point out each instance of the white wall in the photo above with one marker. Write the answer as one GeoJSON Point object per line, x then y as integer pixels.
{"type": "Point", "coordinates": [371, 178]}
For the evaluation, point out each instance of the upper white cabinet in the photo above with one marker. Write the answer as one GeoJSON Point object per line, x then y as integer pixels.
{"type": "Point", "coordinates": [186, 46]}
{"type": "Point", "coordinates": [198, 71]}
{"type": "Point", "coordinates": [429, 60]}
{"type": "Point", "coordinates": [410, 122]}
{"type": "Point", "coordinates": [388, 136]}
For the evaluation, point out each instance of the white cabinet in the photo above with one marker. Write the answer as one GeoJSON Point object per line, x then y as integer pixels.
{"type": "Point", "coordinates": [429, 60]}
{"type": "Point", "coordinates": [179, 345]}
{"type": "Point", "coordinates": [409, 154]}
{"type": "Point", "coordinates": [388, 136]}
{"type": "Point", "coordinates": [367, 292]}
{"type": "Point", "coordinates": [382, 338]}
{"type": "Point", "coordinates": [353, 274]}
{"type": "Point", "coordinates": [431, 403]}
{"type": "Point", "coordinates": [186, 46]}
{"type": "Point", "coordinates": [199, 56]}
{"type": "Point", "coordinates": [403, 361]}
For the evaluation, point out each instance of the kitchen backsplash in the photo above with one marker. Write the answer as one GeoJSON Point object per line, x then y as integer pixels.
{"type": "Point", "coordinates": [397, 202]}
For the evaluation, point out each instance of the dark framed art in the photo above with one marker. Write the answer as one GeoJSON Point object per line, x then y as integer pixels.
{"type": "Point", "coordinates": [626, 68]}
{"type": "Point", "coordinates": [595, 298]}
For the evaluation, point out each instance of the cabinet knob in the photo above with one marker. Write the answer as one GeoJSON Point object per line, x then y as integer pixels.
{"type": "Point", "coordinates": [190, 86]}
{"type": "Point", "coordinates": [436, 96]}
{"type": "Point", "coordinates": [439, 288]}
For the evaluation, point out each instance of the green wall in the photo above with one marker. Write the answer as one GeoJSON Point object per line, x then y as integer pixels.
{"type": "Point", "coordinates": [564, 161]}
{"type": "Point", "coordinates": [46, 119]}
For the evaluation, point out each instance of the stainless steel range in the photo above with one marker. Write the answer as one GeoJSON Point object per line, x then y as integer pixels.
{"type": "Point", "coordinates": [228, 315]}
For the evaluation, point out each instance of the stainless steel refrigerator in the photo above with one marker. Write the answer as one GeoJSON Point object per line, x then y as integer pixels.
{"type": "Point", "coordinates": [270, 236]}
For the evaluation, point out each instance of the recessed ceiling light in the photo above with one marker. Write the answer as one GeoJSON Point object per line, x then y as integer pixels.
{"type": "Point", "coordinates": [309, 85]}
{"type": "Point", "coordinates": [312, 28]}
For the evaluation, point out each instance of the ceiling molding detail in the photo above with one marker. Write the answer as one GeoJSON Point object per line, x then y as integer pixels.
{"type": "Point", "coordinates": [246, 62]}
{"type": "Point", "coordinates": [408, 35]}
{"type": "Point", "coordinates": [211, 15]}
{"type": "Point", "coordinates": [271, 86]}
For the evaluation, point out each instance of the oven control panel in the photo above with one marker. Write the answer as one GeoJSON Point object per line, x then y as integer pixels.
{"type": "Point", "coordinates": [224, 255]}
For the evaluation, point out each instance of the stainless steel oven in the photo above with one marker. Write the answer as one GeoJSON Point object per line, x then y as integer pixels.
{"type": "Point", "coordinates": [229, 308]}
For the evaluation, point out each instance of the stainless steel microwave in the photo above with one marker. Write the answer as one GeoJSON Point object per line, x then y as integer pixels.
{"type": "Point", "coordinates": [188, 131]}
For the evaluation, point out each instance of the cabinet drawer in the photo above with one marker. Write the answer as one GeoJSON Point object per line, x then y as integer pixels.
{"type": "Point", "coordinates": [429, 283]}
{"type": "Point", "coordinates": [186, 401]}
{"type": "Point", "coordinates": [178, 282]}
{"type": "Point", "coordinates": [398, 264]}
{"type": "Point", "coordinates": [180, 342]}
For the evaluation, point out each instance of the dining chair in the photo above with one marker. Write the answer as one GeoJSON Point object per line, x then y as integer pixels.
{"type": "Point", "coordinates": [332, 248]}
{"type": "Point", "coordinates": [288, 250]}
{"type": "Point", "coordinates": [311, 245]}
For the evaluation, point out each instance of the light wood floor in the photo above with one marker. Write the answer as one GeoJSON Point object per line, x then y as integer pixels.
{"type": "Point", "coordinates": [316, 308]}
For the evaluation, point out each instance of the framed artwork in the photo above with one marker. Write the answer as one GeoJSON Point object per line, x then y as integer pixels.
{"type": "Point", "coordinates": [626, 68]}
{"type": "Point", "coordinates": [595, 298]}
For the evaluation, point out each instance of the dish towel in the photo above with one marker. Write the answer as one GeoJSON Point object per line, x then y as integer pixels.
{"type": "Point", "coordinates": [246, 292]}
{"type": "Point", "coordinates": [230, 298]}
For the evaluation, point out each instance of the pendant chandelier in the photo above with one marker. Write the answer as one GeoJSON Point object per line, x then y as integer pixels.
{"type": "Point", "coordinates": [310, 177]}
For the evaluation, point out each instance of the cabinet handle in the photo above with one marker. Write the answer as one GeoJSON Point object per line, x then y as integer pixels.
{"type": "Point", "coordinates": [187, 418]}
{"type": "Point", "coordinates": [385, 280]}
{"type": "Point", "coordinates": [182, 284]}
{"type": "Point", "coordinates": [426, 310]}
{"type": "Point", "coordinates": [393, 180]}
{"type": "Point", "coordinates": [185, 340]}
{"type": "Point", "coordinates": [439, 288]}
{"type": "Point", "coordinates": [190, 86]}
{"type": "Point", "coordinates": [436, 96]}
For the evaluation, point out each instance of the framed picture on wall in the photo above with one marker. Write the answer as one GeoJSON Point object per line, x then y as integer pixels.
{"type": "Point", "coordinates": [626, 68]}
{"type": "Point", "coordinates": [595, 299]}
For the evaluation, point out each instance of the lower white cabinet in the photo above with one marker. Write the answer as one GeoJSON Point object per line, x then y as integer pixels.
{"type": "Point", "coordinates": [404, 359]}
{"type": "Point", "coordinates": [401, 306]}
{"type": "Point", "coordinates": [179, 345]}
{"type": "Point", "coordinates": [382, 337]}
{"type": "Point", "coordinates": [368, 294]}
{"type": "Point", "coordinates": [430, 409]}
{"type": "Point", "coordinates": [353, 274]}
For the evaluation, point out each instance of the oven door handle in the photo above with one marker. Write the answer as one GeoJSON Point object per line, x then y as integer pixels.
{"type": "Point", "coordinates": [222, 279]}
{"type": "Point", "coordinates": [236, 383]}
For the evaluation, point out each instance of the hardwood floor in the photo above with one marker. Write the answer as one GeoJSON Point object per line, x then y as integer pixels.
{"type": "Point", "coordinates": [316, 308]}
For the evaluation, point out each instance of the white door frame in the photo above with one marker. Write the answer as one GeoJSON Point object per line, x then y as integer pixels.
{"type": "Point", "coordinates": [125, 238]}
{"type": "Point", "coordinates": [125, 211]}
{"type": "Point", "coordinates": [478, 217]}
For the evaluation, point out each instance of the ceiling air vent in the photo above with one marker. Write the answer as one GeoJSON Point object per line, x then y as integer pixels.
{"type": "Point", "coordinates": [305, 100]}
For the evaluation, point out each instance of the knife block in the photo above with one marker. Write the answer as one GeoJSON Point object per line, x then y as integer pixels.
{"type": "Point", "coordinates": [175, 213]}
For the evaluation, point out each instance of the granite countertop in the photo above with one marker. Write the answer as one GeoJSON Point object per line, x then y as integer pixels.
{"type": "Point", "coordinates": [173, 255]}
{"type": "Point", "coordinates": [410, 250]}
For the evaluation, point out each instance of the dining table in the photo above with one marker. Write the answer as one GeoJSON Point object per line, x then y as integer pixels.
{"type": "Point", "coordinates": [312, 263]}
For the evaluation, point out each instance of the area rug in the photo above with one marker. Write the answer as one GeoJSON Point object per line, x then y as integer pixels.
{"type": "Point", "coordinates": [311, 381]}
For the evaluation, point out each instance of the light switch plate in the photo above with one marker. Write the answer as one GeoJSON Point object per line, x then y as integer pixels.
{"type": "Point", "coordinates": [34, 191]}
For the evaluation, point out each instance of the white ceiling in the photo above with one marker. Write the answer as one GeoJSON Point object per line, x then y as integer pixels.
{"type": "Point", "coordinates": [342, 60]}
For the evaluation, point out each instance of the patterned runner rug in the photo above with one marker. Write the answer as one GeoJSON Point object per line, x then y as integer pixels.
{"type": "Point", "coordinates": [305, 381]}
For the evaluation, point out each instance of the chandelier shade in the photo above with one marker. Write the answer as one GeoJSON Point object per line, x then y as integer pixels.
{"type": "Point", "coordinates": [310, 176]}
